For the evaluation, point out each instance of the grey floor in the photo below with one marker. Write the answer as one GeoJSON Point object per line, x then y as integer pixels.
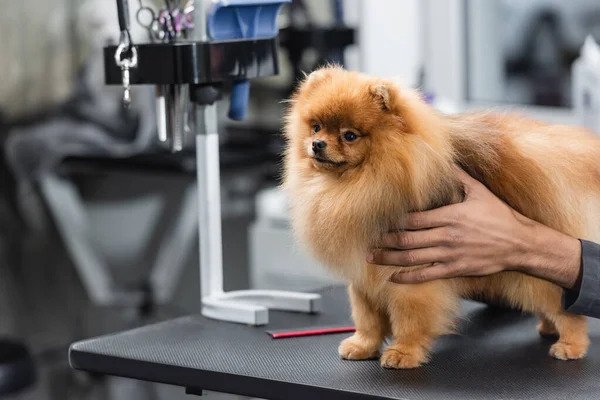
{"type": "Point", "coordinates": [43, 302]}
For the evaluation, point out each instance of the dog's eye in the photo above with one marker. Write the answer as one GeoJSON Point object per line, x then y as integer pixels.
{"type": "Point", "coordinates": [316, 128]}
{"type": "Point", "coordinates": [350, 136]}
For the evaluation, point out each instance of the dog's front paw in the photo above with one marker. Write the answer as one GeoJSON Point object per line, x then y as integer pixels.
{"type": "Point", "coordinates": [403, 357]}
{"type": "Point", "coordinates": [357, 348]}
{"type": "Point", "coordinates": [568, 351]}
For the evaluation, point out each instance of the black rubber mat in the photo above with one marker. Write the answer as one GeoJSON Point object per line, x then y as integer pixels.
{"type": "Point", "coordinates": [497, 355]}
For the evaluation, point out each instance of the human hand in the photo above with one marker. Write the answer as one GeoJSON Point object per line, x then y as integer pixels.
{"type": "Point", "coordinates": [477, 237]}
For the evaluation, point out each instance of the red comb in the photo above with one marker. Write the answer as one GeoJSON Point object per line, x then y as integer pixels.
{"type": "Point", "coordinates": [314, 331]}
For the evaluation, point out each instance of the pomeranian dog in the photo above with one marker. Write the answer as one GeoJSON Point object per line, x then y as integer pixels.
{"type": "Point", "coordinates": [362, 152]}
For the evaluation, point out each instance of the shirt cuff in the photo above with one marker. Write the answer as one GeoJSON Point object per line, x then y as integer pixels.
{"type": "Point", "coordinates": [586, 301]}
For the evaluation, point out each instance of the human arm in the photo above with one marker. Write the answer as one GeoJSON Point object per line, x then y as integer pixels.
{"type": "Point", "coordinates": [480, 236]}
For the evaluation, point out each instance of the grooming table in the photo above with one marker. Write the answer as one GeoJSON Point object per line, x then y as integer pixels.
{"type": "Point", "coordinates": [498, 355]}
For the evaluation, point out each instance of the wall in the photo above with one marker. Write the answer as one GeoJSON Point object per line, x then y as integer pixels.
{"type": "Point", "coordinates": [390, 39]}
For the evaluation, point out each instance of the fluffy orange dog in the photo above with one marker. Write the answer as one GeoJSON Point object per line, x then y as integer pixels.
{"type": "Point", "coordinates": [362, 152]}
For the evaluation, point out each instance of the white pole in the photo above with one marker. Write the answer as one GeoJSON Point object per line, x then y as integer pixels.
{"type": "Point", "coordinates": [208, 181]}
{"type": "Point", "coordinates": [209, 201]}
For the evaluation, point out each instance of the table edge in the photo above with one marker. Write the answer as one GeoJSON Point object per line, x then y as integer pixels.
{"type": "Point", "coordinates": [214, 381]}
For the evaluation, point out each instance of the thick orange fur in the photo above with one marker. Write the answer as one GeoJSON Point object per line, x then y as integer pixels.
{"type": "Point", "coordinates": [402, 162]}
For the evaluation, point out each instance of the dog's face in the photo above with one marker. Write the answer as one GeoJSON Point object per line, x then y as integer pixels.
{"type": "Point", "coordinates": [340, 117]}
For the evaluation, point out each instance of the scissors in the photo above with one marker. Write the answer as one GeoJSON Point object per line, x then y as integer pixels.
{"type": "Point", "coordinates": [147, 18]}
{"type": "Point", "coordinates": [169, 22]}
{"type": "Point", "coordinates": [174, 20]}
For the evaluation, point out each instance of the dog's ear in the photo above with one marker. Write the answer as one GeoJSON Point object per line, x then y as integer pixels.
{"type": "Point", "coordinates": [316, 77]}
{"type": "Point", "coordinates": [383, 94]}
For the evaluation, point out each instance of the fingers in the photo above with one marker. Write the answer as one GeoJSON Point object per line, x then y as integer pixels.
{"type": "Point", "coordinates": [410, 258]}
{"type": "Point", "coordinates": [445, 270]}
{"type": "Point", "coordinates": [447, 215]}
{"type": "Point", "coordinates": [405, 240]}
{"type": "Point", "coordinates": [440, 271]}
{"type": "Point", "coordinates": [471, 185]}
{"type": "Point", "coordinates": [463, 176]}
{"type": "Point", "coordinates": [435, 218]}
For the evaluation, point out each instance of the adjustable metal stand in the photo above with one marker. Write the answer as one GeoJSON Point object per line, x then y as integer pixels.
{"type": "Point", "coordinates": [244, 306]}
{"type": "Point", "coordinates": [205, 65]}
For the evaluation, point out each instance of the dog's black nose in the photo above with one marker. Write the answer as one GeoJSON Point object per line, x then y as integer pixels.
{"type": "Point", "coordinates": [318, 146]}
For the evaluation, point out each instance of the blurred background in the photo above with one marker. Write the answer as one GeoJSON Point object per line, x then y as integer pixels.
{"type": "Point", "coordinates": [98, 222]}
